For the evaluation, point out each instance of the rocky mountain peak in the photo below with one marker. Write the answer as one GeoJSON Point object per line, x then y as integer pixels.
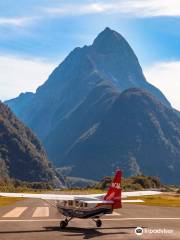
{"type": "Point", "coordinates": [110, 41]}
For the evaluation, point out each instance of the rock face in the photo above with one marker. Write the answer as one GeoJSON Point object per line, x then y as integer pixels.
{"type": "Point", "coordinates": [138, 133]}
{"type": "Point", "coordinates": [21, 154]}
{"type": "Point", "coordinates": [69, 110]}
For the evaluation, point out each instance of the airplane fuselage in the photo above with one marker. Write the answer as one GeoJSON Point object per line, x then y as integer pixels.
{"type": "Point", "coordinates": [83, 211]}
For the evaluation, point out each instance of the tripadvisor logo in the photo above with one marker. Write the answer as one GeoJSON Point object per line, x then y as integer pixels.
{"type": "Point", "coordinates": [139, 231]}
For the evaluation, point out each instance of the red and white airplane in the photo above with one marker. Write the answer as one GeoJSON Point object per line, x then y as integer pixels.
{"type": "Point", "coordinates": [87, 206]}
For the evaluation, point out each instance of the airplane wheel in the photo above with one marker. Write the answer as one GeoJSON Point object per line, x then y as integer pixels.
{"type": "Point", "coordinates": [63, 224]}
{"type": "Point", "coordinates": [98, 223]}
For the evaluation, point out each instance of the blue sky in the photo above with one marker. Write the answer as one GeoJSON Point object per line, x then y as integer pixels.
{"type": "Point", "coordinates": [35, 36]}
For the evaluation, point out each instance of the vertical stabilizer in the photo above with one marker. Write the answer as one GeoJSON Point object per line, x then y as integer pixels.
{"type": "Point", "coordinates": [114, 191]}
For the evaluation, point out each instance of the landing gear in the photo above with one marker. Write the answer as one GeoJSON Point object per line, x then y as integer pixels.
{"type": "Point", "coordinates": [64, 223]}
{"type": "Point", "coordinates": [98, 223]}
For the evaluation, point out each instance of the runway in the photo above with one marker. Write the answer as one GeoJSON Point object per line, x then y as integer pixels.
{"type": "Point", "coordinates": [36, 220]}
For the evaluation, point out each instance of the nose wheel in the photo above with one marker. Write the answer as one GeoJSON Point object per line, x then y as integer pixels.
{"type": "Point", "coordinates": [98, 223]}
{"type": "Point", "coordinates": [64, 223]}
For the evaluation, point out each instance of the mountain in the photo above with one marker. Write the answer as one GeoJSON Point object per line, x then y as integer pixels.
{"type": "Point", "coordinates": [80, 107]}
{"type": "Point", "coordinates": [138, 133]}
{"type": "Point", "coordinates": [86, 117]}
{"type": "Point", "coordinates": [109, 58]}
{"type": "Point", "coordinates": [21, 154]}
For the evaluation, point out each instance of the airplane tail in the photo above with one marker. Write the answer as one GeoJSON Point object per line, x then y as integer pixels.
{"type": "Point", "coordinates": [114, 191]}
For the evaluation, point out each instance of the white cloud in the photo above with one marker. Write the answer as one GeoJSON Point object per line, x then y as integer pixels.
{"type": "Point", "coordinates": [21, 75]}
{"type": "Point", "coordinates": [166, 76]}
{"type": "Point", "coordinates": [16, 21]}
{"type": "Point", "coordinates": [78, 9]}
{"type": "Point", "coordinates": [137, 8]}
{"type": "Point", "coordinates": [151, 8]}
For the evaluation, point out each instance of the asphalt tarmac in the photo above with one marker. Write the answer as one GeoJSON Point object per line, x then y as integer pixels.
{"type": "Point", "coordinates": [36, 220]}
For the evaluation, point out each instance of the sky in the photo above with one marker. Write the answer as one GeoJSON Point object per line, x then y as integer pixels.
{"type": "Point", "coordinates": [36, 35]}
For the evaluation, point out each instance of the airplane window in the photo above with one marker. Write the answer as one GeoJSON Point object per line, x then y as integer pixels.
{"type": "Point", "coordinates": [77, 203]}
{"type": "Point", "coordinates": [85, 204]}
{"type": "Point", "coordinates": [81, 204]}
{"type": "Point", "coordinates": [70, 203]}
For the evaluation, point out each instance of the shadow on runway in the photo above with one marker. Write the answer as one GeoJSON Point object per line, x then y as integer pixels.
{"type": "Point", "coordinates": [86, 233]}
{"type": "Point", "coordinates": [93, 232]}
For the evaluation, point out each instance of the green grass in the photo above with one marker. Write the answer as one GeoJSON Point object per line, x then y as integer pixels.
{"type": "Point", "coordinates": [163, 200]}
{"type": "Point", "coordinates": [4, 201]}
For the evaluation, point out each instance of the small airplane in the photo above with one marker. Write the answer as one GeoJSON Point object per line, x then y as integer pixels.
{"type": "Point", "coordinates": [91, 206]}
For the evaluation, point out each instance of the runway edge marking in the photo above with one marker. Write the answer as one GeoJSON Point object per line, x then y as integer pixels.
{"type": "Point", "coordinates": [103, 219]}
{"type": "Point", "coordinates": [16, 212]}
{"type": "Point", "coordinates": [41, 212]}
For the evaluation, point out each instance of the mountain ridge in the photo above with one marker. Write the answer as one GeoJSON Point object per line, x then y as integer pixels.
{"type": "Point", "coordinates": [139, 134]}
{"type": "Point", "coordinates": [21, 154]}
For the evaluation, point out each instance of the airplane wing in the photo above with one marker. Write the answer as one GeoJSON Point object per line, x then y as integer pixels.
{"type": "Point", "coordinates": [133, 201]}
{"type": "Point", "coordinates": [39, 196]}
{"type": "Point", "coordinates": [59, 197]}
{"type": "Point", "coordinates": [124, 194]}
{"type": "Point", "coordinates": [139, 193]}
